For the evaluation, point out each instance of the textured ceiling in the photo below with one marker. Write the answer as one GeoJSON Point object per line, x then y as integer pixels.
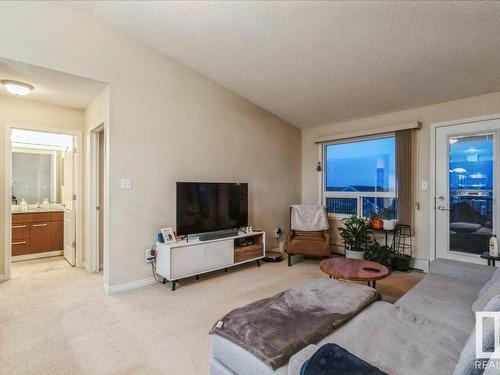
{"type": "Point", "coordinates": [317, 62]}
{"type": "Point", "coordinates": [50, 86]}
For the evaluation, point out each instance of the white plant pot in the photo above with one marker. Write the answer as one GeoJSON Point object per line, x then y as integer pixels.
{"type": "Point", "coordinates": [355, 254]}
{"type": "Point", "coordinates": [389, 224]}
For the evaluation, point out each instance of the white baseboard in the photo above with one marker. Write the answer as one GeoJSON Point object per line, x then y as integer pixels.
{"type": "Point", "coordinates": [47, 254]}
{"type": "Point", "coordinates": [420, 264]}
{"type": "Point", "coordinates": [128, 286]}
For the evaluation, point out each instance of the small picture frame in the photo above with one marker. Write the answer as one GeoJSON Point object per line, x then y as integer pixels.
{"type": "Point", "coordinates": [168, 235]}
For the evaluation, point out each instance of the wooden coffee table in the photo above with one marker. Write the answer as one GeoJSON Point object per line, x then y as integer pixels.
{"type": "Point", "coordinates": [354, 270]}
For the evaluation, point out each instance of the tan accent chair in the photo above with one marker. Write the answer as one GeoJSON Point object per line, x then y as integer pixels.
{"type": "Point", "coordinates": [307, 243]}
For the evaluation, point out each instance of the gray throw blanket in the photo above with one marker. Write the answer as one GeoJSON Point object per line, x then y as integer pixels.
{"type": "Point", "coordinates": [275, 328]}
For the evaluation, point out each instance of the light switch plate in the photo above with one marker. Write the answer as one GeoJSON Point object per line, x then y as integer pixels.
{"type": "Point", "coordinates": [424, 185]}
{"type": "Point", "coordinates": [126, 184]}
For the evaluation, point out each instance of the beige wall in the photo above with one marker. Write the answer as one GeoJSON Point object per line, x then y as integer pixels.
{"type": "Point", "coordinates": [167, 124]}
{"type": "Point", "coordinates": [96, 115]}
{"type": "Point", "coordinates": [454, 110]}
{"type": "Point", "coordinates": [27, 112]}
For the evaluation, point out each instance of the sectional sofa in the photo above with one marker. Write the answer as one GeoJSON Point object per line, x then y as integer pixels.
{"type": "Point", "coordinates": [430, 330]}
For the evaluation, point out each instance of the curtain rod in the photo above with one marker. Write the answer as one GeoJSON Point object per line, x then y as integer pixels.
{"type": "Point", "coordinates": [364, 133]}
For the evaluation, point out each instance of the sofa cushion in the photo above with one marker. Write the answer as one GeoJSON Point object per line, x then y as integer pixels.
{"type": "Point", "coordinates": [481, 302]}
{"type": "Point", "coordinates": [443, 299]}
{"type": "Point", "coordinates": [467, 364]}
{"type": "Point", "coordinates": [398, 341]}
{"type": "Point", "coordinates": [490, 282]}
{"type": "Point", "coordinates": [239, 360]}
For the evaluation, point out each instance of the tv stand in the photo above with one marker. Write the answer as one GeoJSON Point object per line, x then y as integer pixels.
{"type": "Point", "coordinates": [218, 234]}
{"type": "Point", "coordinates": [185, 259]}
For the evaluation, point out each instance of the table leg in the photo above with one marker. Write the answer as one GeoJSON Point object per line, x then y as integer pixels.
{"type": "Point", "coordinates": [489, 262]}
{"type": "Point", "coordinates": [493, 262]}
{"type": "Point", "coordinates": [374, 286]}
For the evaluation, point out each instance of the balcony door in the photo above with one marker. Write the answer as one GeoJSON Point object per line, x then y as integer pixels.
{"type": "Point", "coordinates": [466, 189]}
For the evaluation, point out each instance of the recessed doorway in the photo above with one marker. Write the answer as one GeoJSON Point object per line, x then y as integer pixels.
{"type": "Point", "coordinates": [44, 210]}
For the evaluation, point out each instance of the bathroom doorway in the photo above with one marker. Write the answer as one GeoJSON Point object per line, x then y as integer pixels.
{"type": "Point", "coordinates": [44, 183]}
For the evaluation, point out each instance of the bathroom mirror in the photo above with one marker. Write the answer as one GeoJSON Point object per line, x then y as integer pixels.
{"type": "Point", "coordinates": [36, 175]}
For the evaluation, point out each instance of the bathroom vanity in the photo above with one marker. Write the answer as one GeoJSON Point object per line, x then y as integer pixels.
{"type": "Point", "coordinates": [37, 234]}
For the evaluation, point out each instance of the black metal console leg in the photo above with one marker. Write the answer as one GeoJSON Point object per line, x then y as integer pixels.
{"type": "Point", "coordinates": [164, 281]}
{"type": "Point", "coordinates": [289, 260]}
{"type": "Point", "coordinates": [258, 263]}
{"type": "Point", "coordinates": [197, 277]}
{"type": "Point", "coordinates": [173, 285]}
{"type": "Point", "coordinates": [225, 269]}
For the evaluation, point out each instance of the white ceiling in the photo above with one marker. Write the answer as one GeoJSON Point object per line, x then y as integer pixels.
{"type": "Point", "coordinates": [50, 86]}
{"type": "Point", "coordinates": [317, 62]}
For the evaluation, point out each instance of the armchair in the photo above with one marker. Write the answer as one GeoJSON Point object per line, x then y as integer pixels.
{"type": "Point", "coordinates": [315, 240]}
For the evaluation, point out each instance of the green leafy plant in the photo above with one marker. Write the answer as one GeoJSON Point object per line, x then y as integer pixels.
{"type": "Point", "coordinates": [387, 214]}
{"type": "Point", "coordinates": [355, 233]}
{"type": "Point", "coordinates": [374, 215]}
{"type": "Point", "coordinates": [377, 253]}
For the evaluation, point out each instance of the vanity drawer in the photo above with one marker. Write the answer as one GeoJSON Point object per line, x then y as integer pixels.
{"type": "Point", "coordinates": [21, 247]}
{"type": "Point", "coordinates": [20, 231]}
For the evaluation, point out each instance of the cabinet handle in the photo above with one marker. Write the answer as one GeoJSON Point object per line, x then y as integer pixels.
{"type": "Point", "coordinates": [19, 243]}
{"type": "Point", "coordinates": [18, 226]}
{"type": "Point", "coordinates": [39, 225]}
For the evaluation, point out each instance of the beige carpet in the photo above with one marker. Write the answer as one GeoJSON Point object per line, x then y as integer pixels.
{"type": "Point", "coordinates": [55, 319]}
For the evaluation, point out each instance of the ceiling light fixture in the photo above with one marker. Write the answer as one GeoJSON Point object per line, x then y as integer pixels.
{"type": "Point", "coordinates": [16, 87]}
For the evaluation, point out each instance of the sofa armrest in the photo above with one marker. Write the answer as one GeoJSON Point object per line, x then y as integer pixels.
{"type": "Point", "coordinates": [475, 273]}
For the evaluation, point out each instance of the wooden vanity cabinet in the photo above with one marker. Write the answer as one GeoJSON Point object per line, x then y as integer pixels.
{"type": "Point", "coordinates": [37, 232]}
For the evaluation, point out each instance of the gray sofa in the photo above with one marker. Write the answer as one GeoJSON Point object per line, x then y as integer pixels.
{"type": "Point", "coordinates": [430, 330]}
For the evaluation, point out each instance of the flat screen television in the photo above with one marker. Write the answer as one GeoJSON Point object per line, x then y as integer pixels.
{"type": "Point", "coordinates": [211, 206]}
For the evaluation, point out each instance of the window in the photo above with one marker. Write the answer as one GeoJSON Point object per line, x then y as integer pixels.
{"type": "Point", "coordinates": [360, 177]}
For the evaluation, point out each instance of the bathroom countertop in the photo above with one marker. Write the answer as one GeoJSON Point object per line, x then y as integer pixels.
{"type": "Point", "coordinates": [38, 210]}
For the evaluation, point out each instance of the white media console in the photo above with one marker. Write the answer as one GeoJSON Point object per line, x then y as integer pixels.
{"type": "Point", "coordinates": [184, 259]}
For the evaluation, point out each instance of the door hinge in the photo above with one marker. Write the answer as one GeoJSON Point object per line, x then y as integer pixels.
{"type": "Point", "coordinates": [74, 197]}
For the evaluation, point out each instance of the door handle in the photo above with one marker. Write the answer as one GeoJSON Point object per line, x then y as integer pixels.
{"type": "Point", "coordinates": [18, 226]}
{"type": "Point", "coordinates": [443, 208]}
{"type": "Point", "coordinates": [39, 225]}
{"type": "Point", "coordinates": [19, 243]}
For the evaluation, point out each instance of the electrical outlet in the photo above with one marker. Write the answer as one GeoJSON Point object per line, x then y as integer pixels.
{"type": "Point", "coordinates": [149, 256]}
{"type": "Point", "coordinates": [277, 233]}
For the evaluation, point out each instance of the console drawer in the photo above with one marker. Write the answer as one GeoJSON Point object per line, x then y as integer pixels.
{"type": "Point", "coordinates": [20, 231]}
{"type": "Point", "coordinates": [21, 247]}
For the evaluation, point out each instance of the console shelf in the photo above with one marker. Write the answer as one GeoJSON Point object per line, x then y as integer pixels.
{"type": "Point", "coordinates": [184, 259]}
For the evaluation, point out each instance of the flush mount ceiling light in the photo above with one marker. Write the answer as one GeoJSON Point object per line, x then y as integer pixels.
{"type": "Point", "coordinates": [16, 87]}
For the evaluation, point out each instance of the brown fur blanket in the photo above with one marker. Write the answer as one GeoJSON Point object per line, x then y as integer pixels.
{"type": "Point", "coordinates": [275, 328]}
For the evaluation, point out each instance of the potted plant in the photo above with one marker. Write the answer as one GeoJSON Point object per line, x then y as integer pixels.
{"type": "Point", "coordinates": [401, 249]}
{"type": "Point", "coordinates": [377, 253]}
{"type": "Point", "coordinates": [388, 222]}
{"type": "Point", "coordinates": [376, 220]}
{"type": "Point", "coordinates": [356, 235]}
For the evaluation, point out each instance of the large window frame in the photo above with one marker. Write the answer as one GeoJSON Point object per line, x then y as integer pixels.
{"type": "Point", "coordinates": [349, 194]}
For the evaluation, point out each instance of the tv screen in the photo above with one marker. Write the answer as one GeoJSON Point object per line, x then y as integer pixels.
{"type": "Point", "coordinates": [208, 206]}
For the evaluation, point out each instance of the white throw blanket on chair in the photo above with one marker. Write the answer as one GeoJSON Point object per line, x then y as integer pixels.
{"type": "Point", "coordinates": [309, 218]}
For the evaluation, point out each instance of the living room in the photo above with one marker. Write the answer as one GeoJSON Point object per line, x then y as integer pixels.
{"type": "Point", "coordinates": [263, 95]}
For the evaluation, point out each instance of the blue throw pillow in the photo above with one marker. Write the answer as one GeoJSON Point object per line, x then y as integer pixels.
{"type": "Point", "coordinates": [332, 359]}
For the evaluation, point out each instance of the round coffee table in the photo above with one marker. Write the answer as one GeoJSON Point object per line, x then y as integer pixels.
{"type": "Point", "coordinates": [354, 270]}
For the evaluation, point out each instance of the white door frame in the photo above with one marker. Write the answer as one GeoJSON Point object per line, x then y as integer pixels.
{"type": "Point", "coordinates": [94, 197]}
{"type": "Point", "coordinates": [432, 175]}
{"type": "Point", "coordinates": [8, 188]}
